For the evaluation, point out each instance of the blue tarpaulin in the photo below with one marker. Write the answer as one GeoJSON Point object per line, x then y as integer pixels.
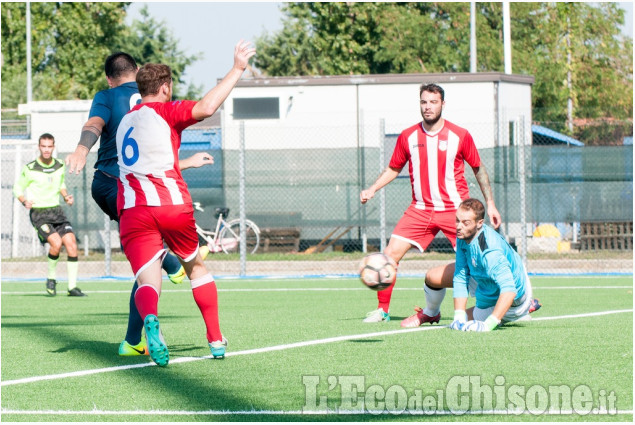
{"type": "Point", "coordinates": [546, 136]}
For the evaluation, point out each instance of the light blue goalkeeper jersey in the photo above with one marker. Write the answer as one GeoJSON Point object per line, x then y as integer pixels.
{"type": "Point", "coordinates": [492, 263]}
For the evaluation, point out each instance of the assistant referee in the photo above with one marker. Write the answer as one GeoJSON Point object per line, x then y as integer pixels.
{"type": "Point", "coordinates": [38, 189]}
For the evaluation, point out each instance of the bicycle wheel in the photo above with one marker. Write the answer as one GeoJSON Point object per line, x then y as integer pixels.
{"type": "Point", "coordinates": [230, 237]}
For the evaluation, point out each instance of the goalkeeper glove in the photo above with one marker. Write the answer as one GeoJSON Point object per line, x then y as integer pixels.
{"type": "Point", "coordinates": [460, 317]}
{"type": "Point", "coordinates": [477, 326]}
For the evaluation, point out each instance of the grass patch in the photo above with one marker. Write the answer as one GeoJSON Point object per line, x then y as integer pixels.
{"type": "Point", "coordinates": [44, 336]}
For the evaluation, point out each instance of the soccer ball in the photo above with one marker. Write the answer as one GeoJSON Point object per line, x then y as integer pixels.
{"type": "Point", "coordinates": [377, 271]}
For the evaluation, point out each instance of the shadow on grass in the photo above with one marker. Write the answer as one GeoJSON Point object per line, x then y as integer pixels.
{"type": "Point", "coordinates": [66, 342]}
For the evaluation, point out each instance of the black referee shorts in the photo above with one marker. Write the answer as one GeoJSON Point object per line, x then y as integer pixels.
{"type": "Point", "coordinates": [48, 221]}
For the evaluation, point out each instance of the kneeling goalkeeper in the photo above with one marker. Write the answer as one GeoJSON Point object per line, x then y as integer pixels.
{"type": "Point", "coordinates": [489, 269]}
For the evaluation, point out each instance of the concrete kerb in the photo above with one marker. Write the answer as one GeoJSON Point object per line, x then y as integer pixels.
{"type": "Point", "coordinates": [94, 269]}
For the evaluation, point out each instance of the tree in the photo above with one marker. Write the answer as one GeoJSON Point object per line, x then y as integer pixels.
{"type": "Point", "coordinates": [376, 38]}
{"type": "Point", "coordinates": [150, 41]}
{"type": "Point", "coordinates": [425, 37]}
{"type": "Point", "coordinates": [600, 59]}
{"type": "Point", "coordinates": [362, 38]}
{"type": "Point", "coordinates": [69, 43]}
{"type": "Point", "coordinates": [71, 40]}
{"type": "Point", "coordinates": [323, 38]}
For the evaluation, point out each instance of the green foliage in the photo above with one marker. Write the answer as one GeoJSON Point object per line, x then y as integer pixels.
{"type": "Point", "coordinates": [151, 41]}
{"type": "Point", "coordinates": [600, 59]}
{"type": "Point", "coordinates": [603, 132]}
{"type": "Point", "coordinates": [71, 40]}
{"type": "Point", "coordinates": [376, 38]}
{"type": "Point", "coordinates": [323, 39]}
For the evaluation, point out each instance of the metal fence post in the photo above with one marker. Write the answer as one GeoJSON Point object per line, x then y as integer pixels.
{"type": "Point", "coordinates": [107, 253]}
{"type": "Point", "coordinates": [362, 156]}
{"type": "Point", "coordinates": [15, 232]}
{"type": "Point", "coordinates": [382, 193]}
{"type": "Point", "coordinates": [520, 136]}
{"type": "Point", "coordinates": [241, 200]}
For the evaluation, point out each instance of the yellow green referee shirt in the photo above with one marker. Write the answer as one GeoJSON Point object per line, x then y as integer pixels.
{"type": "Point", "coordinates": [44, 183]}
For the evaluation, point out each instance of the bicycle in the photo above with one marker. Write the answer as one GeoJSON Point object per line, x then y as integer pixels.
{"type": "Point", "coordinates": [226, 235]}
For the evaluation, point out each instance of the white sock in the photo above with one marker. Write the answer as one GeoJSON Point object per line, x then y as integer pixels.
{"type": "Point", "coordinates": [434, 298]}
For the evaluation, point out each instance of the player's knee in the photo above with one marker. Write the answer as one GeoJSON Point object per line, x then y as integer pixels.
{"type": "Point", "coordinates": [71, 249]}
{"type": "Point", "coordinates": [70, 243]}
{"type": "Point", "coordinates": [55, 246]}
{"type": "Point", "coordinates": [433, 278]}
{"type": "Point", "coordinates": [440, 277]}
{"type": "Point", "coordinates": [395, 252]}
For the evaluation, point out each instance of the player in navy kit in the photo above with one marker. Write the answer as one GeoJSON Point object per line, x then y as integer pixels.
{"type": "Point", "coordinates": [107, 110]}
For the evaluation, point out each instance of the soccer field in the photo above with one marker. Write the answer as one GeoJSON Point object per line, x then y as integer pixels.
{"type": "Point", "coordinates": [298, 351]}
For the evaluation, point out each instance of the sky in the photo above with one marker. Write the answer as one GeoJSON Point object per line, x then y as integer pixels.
{"type": "Point", "coordinates": [213, 28]}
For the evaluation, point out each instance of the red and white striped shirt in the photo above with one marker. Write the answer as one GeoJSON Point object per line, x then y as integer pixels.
{"type": "Point", "coordinates": [148, 142]}
{"type": "Point", "coordinates": [436, 164]}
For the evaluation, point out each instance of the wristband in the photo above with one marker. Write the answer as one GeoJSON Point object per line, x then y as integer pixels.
{"type": "Point", "coordinates": [24, 203]}
{"type": "Point", "coordinates": [88, 139]}
{"type": "Point", "coordinates": [491, 322]}
{"type": "Point", "coordinates": [460, 315]}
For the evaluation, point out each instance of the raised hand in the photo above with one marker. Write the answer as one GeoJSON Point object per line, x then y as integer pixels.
{"type": "Point", "coordinates": [242, 53]}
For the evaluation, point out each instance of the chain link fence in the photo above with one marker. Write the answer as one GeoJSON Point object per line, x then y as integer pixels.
{"type": "Point", "coordinates": [559, 202]}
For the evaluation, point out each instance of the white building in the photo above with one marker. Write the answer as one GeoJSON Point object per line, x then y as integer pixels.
{"type": "Point", "coordinates": [484, 103]}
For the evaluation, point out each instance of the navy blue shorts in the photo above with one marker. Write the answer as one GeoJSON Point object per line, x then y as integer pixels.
{"type": "Point", "coordinates": [104, 190]}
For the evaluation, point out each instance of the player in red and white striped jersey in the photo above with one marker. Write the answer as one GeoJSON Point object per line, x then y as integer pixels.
{"type": "Point", "coordinates": [149, 138]}
{"type": "Point", "coordinates": [153, 201]}
{"type": "Point", "coordinates": [435, 151]}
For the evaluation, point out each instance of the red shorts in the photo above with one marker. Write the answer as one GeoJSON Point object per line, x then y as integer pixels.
{"type": "Point", "coordinates": [419, 227]}
{"type": "Point", "coordinates": [143, 229]}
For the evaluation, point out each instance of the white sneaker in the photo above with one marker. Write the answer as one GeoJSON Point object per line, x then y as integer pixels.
{"type": "Point", "coordinates": [375, 316]}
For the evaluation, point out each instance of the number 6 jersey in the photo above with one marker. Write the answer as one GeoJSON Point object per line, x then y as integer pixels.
{"type": "Point", "coordinates": [148, 142]}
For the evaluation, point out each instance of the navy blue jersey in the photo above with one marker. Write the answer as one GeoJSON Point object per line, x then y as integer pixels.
{"type": "Point", "coordinates": [111, 105]}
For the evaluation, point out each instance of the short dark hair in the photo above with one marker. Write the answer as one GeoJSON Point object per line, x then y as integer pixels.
{"type": "Point", "coordinates": [432, 88]}
{"type": "Point", "coordinates": [474, 205]}
{"type": "Point", "coordinates": [119, 64]}
{"type": "Point", "coordinates": [46, 136]}
{"type": "Point", "coordinates": [151, 77]}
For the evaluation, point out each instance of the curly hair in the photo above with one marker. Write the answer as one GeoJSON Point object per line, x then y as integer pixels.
{"type": "Point", "coordinates": [151, 77]}
{"type": "Point", "coordinates": [474, 205]}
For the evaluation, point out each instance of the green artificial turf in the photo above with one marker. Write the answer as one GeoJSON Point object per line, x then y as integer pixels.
{"type": "Point", "coordinates": [297, 345]}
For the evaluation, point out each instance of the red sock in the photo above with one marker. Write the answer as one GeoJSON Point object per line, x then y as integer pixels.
{"type": "Point", "coordinates": [206, 298]}
{"type": "Point", "coordinates": [147, 301]}
{"type": "Point", "coordinates": [383, 297]}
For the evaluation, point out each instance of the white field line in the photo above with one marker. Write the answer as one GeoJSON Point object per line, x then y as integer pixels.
{"type": "Point", "coordinates": [272, 348]}
{"type": "Point", "coordinates": [96, 412]}
{"type": "Point", "coordinates": [361, 288]}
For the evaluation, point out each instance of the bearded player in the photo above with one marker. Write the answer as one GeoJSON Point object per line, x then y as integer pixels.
{"type": "Point", "coordinates": [435, 151]}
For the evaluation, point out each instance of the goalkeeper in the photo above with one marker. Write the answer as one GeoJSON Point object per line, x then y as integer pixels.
{"type": "Point", "coordinates": [489, 269]}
